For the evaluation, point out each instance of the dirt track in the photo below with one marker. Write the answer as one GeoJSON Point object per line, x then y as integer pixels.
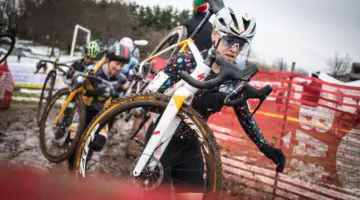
{"type": "Point", "coordinates": [19, 144]}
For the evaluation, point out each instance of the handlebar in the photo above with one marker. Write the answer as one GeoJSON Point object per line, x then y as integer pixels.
{"type": "Point", "coordinates": [96, 92]}
{"type": "Point", "coordinates": [42, 63]}
{"type": "Point", "coordinates": [248, 92]}
{"type": "Point", "coordinates": [228, 71]}
{"type": "Point", "coordinates": [55, 63]}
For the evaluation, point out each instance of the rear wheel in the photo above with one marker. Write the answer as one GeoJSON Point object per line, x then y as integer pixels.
{"type": "Point", "coordinates": [119, 156]}
{"type": "Point", "coordinates": [176, 35]}
{"type": "Point", "coordinates": [58, 141]}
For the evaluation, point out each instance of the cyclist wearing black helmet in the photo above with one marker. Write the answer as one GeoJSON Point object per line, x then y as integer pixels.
{"type": "Point", "coordinates": [118, 55]}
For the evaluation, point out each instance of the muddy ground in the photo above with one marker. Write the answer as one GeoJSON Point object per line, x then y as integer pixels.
{"type": "Point", "coordinates": [19, 144]}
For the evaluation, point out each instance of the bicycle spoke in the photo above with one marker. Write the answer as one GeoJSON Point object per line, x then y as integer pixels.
{"type": "Point", "coordinates": [180, 150]}
{"type": "Point", "coordinates": [183, 161]}
{"type": "Point", "coordinates": [185, 183]}
{"type": "Point", "coordinates": [188, 170]}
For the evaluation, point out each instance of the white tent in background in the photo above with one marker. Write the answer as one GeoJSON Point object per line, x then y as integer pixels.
{"type": "Point", "coordinates": [353, 83]}
{"type": "Point", "coordinates": [327, 78]}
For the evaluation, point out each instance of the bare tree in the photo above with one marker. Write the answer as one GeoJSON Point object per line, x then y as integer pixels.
{"type": "Point", "coordinates": [280, 65]}
{"type": "Point", "coordinates": [250, 55]}
{"type": "Point", "coordinates": [339, 65]}
{"type": "Point", "coordinates": [301, 71]}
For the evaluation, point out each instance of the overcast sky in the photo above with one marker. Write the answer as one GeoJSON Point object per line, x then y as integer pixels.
{"type": "Point", "coordinates": [306, 31]}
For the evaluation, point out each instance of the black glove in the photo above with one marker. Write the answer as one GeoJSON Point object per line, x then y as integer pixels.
{"type": "Point", "coordinates": [78, 66]}
{"type": "Point", "coordinates": [276, 155]}
{"type": "Point", "coordinates": [41, 64]}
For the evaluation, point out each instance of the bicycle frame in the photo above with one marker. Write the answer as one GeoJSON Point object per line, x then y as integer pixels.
{"type": "Point", "coordinates": [80, 90]}
{"type": "Point", "coordinates": [181, 93]}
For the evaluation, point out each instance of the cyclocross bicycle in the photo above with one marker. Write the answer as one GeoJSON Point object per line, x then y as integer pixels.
{"type": "Point", "coordinates": [49, 83]}
{"type": "Point", "coordinates": [59, 113]}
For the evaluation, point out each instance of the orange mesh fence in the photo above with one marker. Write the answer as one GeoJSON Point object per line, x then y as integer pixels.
{"type": "Point", "coordinates": [315, 123]}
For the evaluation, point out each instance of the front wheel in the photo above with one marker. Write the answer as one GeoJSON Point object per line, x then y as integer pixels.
{"type": "Point", "coordinates": [192, 159]}
{"type": "Point", "coordinates": [58, 141]}
{"type": "Point", "coordinates": [46, 93]}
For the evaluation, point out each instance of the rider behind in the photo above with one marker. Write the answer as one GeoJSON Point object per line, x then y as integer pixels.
{"type": "Point", "coordinates": [127, 69]}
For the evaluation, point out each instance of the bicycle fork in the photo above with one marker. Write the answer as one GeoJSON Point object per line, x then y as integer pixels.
{"type": "Point", "coordinates": [163, 132]}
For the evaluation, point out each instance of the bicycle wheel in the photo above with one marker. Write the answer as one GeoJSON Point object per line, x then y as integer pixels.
{"type": "Point", "coordinates": [7, 43]}
{"type": "Point", "coordinates": [118, 157]}
{"type": "Point", "coordinates": [46, 93]}
{"type": "Point", "coordinates": [58, 142]}
{"type": "Point", "coordinates": [176, 35]}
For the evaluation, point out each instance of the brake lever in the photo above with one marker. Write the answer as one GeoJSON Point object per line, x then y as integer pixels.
{"type": "Point", "coordinates": [37, 70]}
{"type": "Point", "coordinates": [258, 106]}
{"type": "Point", "coordinates": [262, 99]}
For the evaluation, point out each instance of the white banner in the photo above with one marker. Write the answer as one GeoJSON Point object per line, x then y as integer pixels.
{"type": "Point", "coordinates": [24, 77]}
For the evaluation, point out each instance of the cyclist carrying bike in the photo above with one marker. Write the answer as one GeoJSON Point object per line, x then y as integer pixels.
{"type": "Point", "coordinates": [118, 56]}
{"type": "Point", "coordinates": [92, 50]}
{"type": "Point", "coordinates": [231, 33]}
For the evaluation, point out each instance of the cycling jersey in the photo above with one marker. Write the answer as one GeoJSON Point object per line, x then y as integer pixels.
{"type": "Point", "coordinates": [208, 102]}
{"type": "Point", "coordinates": [117, 81]}
{"type": "Point", "coordinates": [184, 168]}
{"type": "Point", "coordinates": [79, 66]}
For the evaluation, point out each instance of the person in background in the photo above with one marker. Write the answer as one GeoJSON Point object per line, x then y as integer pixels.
{"type": "Point", "coordinates": [92, 51]}
{"type": "Point", "coordinates": [127, 69]}
{"type": "Point", "coordinates": [311, 90]}
{"type": "Point", "coordinates": [203, 39]}
{"type": "Point", "coordinates": [117, 55]}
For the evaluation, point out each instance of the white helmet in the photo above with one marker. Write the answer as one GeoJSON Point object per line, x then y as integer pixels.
{"type": "Point", "coordinates": [128, 42]}
{"type": "Point", "coordinates": [227, 23]}
{"type": "Point", "coordinates": [136, 53]}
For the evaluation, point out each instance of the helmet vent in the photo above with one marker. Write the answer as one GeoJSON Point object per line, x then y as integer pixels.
{"type": "Point", "coordinates": [253, 30]}
{"type": "Point", "coordinates": [246, 23]}
{"type": "Point", "coordinates": [222, 22]}
{"type": "Point", "coordinates": [234, 20]}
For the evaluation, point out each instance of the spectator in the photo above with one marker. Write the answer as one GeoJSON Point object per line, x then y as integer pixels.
{"type": "Point", "coordinates": [312, 90]}
{"type": "Point", "coordinates": [203, 39]}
